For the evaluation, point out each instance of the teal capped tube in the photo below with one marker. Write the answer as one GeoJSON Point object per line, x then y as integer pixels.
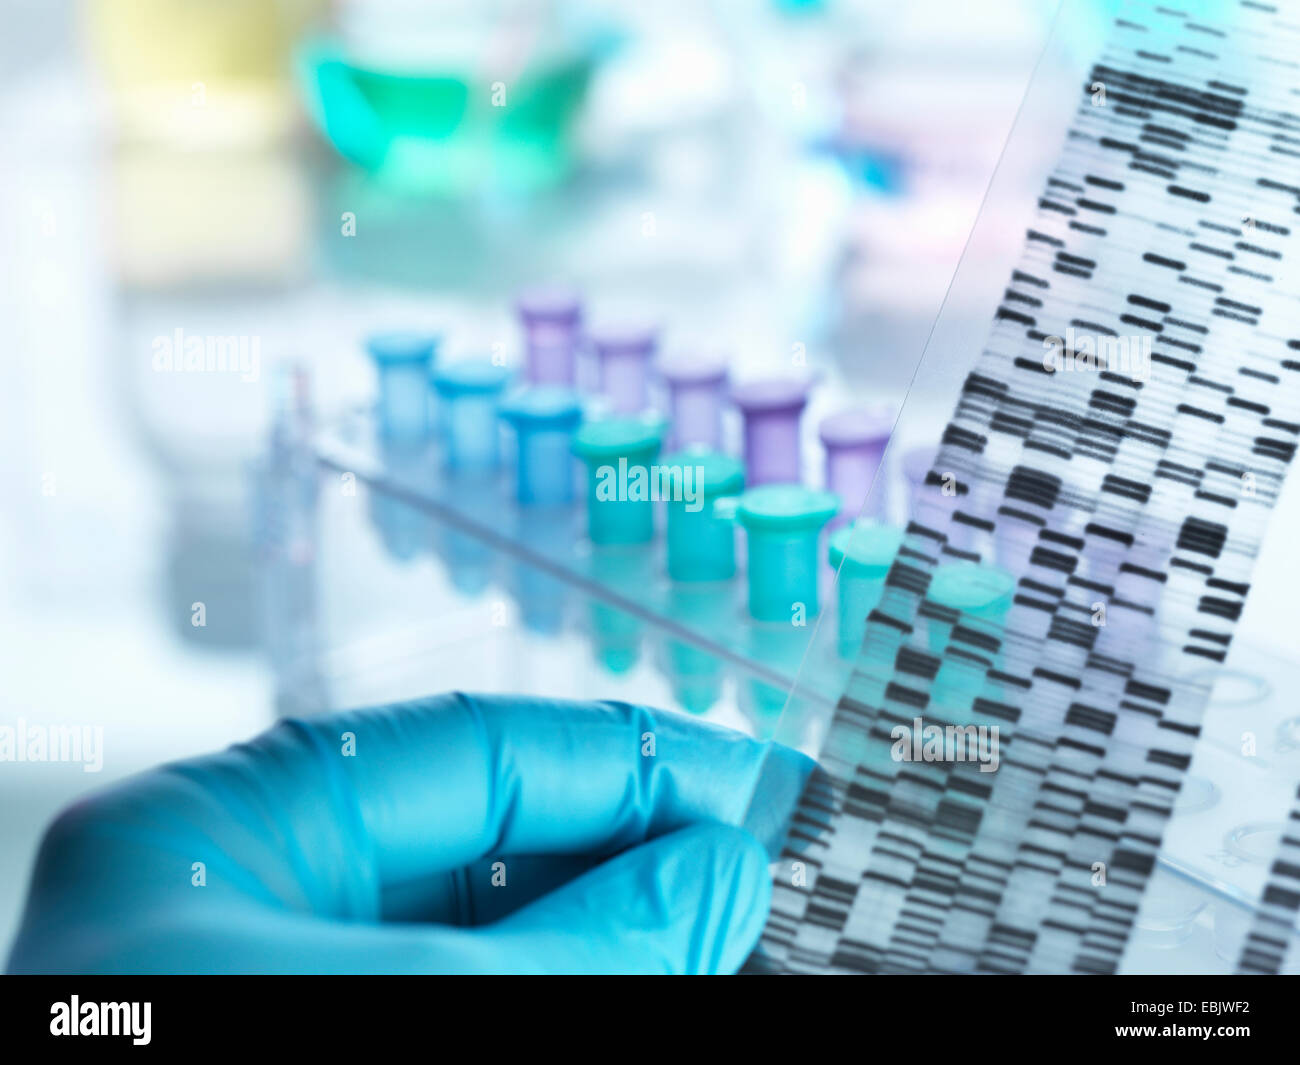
{"type": "Point", "coordinates": [861, 554]}
{"type": "Point", "coordinates": [781, 648]}
{"type": "Point", "coordinates": [696, 675]}
{"type": "Point", "coordinates": [470, 563]}
{"type": "Point", "coordinates": [701, 543]}
{"type": "Point", "coordinates": [471, 393]}
{"type": "Point", "coordinates": [973, 588]}
{"type": "Point", "coordinates": [544, 418]}
{"type": "Point", "coordinates": [981, 593]}
{"type": "Point", "coordinates": [782, 523]}
{"type": "Point", "coordinates": [402, 361]}
{"type": "Point", "coordinates": [615, 634]}
{"type": "Point", "coordinates": [622, 482]}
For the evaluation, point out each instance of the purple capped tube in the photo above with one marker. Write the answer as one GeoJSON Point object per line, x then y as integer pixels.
{"type": "Point", "coordinates": [624, 351]}
{"type": "Point", "coordinates": [696, 387]}
{"type": "Point", "coordinates": [772, 407]}
{"type": "Point", "coordinates": [855, 445]}
{"type": "Point", "coordinates": [916, 465]}
{"type": "Point", "coordinates": [552, 319]}
{"type": "Point", "coordinates": [931, 505]}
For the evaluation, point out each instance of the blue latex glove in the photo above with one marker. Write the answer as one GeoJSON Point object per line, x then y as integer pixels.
{"type": "Point", "coordinates": [385, 860]}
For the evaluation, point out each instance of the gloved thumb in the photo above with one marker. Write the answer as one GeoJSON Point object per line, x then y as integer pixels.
{"type": "Point", "coordinates": [692, 901]}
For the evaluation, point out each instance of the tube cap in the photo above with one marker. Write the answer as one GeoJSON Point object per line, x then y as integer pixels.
{"type": "Point", "coordinates": [858, 427]}
{"type": "Point", "coordinates": [984, 591]}
{"type": "Point", "coordinates": [685, 368]}
{"type": "Point", "coordinates": [399, 347]}
{"type": "Point", "coordinates": [470, 376]}
{"type": "Point", "coordinates": [609, 438]}
{"type": "Point", "coordinates": [721, 475]}
{"type": "Point", "coordinates": [786, 506]}
{"type": "Point", "coordinates": [865, 549]}
{"type": "Point", "coordinates": [550, 304]}
{"type": "Point", "coordinates": [628, 337]}
{"type": "Point", "coordinates": [542, 406]}
{"type": "Point", "coordinates": [771, 394]}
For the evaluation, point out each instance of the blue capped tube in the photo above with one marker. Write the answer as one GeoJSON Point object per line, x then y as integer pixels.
{"type": "Point", "coordinates": [544, 419]}
{"type": "Point", "coordinates": [471, 393]}
{"type": "Point", "coordinates": [403, 361]}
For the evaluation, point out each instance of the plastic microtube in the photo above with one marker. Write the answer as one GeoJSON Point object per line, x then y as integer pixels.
{"type": "Point", "coordinates": [772, 408]}
{"type": "Point", "coordinates": [861, 554]}
{"type": "Point", "coordinates": [544, 600]}
{"type": "Point", "coordinates": [469, 560]}
{"type": "Point", "coordinates": [619, 453]}
{"type": "Point", "coordinates": [403, 361]}
{"type": "Point", "coordinates": [780, 648]}
{"type": "Point", "coordinates": [616, 635]}
{"type": "Point", "coordinates": [696, 675]}
{"type": "Point", "coordinates": [624, 352]}
{"type": "Point", "coordinates": [544, 418]}
{"type": "Point", "coordinates": [782, 523]}
{"type": "Point", "coordinates": [701, 544]}
{"type": "Point", "coordinates": [405, 530]}
{"type": "Point", "coordinates": [981, 593]}
{"type": "Point", "coordinates": [471, 393]}
{"type": "Point", "coordinates": [696, 389]}
{"type": "Point", "coordinates": [932, 504]}
{"type": "Point", "coordinates": [855, 445]}
{"type": "Point", "coordinates": [916, 464]}
{"type": "Point", "coordinates": [552, 321]}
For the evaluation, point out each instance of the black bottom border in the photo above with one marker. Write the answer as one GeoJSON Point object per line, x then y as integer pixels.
{"type": "Point", "coordinates": [338, 1014]}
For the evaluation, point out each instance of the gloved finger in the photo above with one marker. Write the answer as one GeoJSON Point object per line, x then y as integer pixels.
{"type": "Point", "coordinates": [482, 891]}
{"type": "Point", "coordinates": [436, 785]}
{"type": "Point", "coordinates": [692, 901]}
{"type": "Point", "coordinates": [490, 888]}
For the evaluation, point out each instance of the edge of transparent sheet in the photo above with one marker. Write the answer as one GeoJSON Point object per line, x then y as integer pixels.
{"type": "Point", "coordinates": [951, 349]}
{"type": "Point", "coordinates": [1238, 878]}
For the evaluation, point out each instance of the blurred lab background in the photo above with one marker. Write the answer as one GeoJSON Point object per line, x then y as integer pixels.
{"type": "Point", "coordinates": [782, 180]}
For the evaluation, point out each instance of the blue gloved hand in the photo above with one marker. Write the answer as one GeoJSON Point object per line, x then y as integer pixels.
{"type": "Point", "coordinates": [456, 834]}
